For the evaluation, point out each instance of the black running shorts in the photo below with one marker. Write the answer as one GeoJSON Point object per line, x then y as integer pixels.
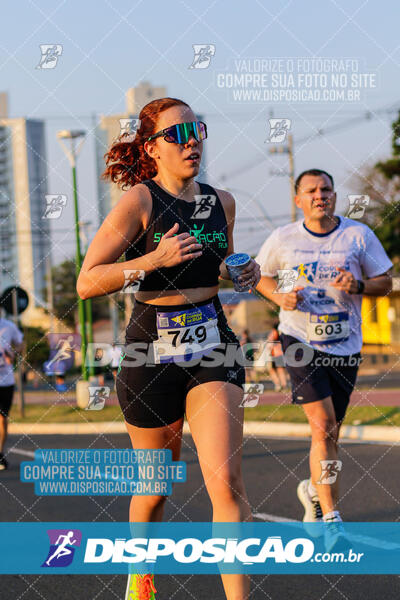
{"type": "Point", "coordinates": [154, 395]}
{"type": "Point", "coordinates": [326, 375]}
{"type": "Point", "coordinates": [6, 398]}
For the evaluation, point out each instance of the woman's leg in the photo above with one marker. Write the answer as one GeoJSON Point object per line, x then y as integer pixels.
{"type": "Point", "coordinates": [216, 423]}
{"type": "Point", "coordinates": [150, 508]}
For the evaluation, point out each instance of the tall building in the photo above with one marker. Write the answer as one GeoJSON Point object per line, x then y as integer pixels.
{"type": "Point", "coordinates": [24, 234]}
{"type": "Point", "coordinates": [109, 128]}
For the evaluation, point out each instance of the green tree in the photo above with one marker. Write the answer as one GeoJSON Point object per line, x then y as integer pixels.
{"type": "Point", "coordinates": [391, 167]}
{"type": "Point", "coordinates": [381, 182]}
{"type": "Point", "coordinates": [37, 347]}
{"type": "Point", "coordinates": [65, 296]}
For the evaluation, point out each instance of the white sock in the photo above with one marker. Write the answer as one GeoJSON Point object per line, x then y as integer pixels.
{"type": "Point", "coordinates": [334, 515]}
{"type": "Point", "coordinates": [311, 489]}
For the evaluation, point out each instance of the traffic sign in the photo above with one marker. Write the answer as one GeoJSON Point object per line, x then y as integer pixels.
{"type": "Point", "coordinates": [6, 300]}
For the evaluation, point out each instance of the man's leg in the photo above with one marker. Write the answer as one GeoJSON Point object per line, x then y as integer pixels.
{"type": "Point", "coordinates": [282, 376]}
{"type": "Point", "coordinates": [324, 432]}
{"type": "Point", "coordinates": [6, 396]}
{"type": "Point", "coordinates": [274, 377]}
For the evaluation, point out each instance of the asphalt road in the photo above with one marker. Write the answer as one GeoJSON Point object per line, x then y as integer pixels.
{"type": "Point", "coordinates": [272, 470]}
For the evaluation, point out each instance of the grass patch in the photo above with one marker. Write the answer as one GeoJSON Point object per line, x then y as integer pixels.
{"type": "Point", "coordinates": [49, 413]}
{"type": "Point", "coordinates": [359, 415]}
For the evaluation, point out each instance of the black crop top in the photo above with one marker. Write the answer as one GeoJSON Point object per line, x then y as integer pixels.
{"type": "Point", "coordinates": [204, 219]}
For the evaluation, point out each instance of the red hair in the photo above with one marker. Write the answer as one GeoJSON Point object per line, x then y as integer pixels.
{"type": "Point", "coordinates": [127, 162]}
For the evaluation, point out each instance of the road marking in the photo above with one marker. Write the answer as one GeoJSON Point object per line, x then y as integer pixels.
{"type": "Point", "coordinates": [299, 438]}
{"type": "Point", "coordinates": [274, 518]}
{"type": "Point", "coordinates": [23, 452]}
{"type": "Point", "coordinates": [361, 539]}
{"type": "Point", "coordinates": [370, 541]}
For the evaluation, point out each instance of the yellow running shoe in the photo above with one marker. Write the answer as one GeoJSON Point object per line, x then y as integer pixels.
{"type": "Point", "coordinates": [140, 587]}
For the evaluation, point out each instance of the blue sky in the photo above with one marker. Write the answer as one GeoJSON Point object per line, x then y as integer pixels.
{"type": "Point", "coordinates": [111, 46]}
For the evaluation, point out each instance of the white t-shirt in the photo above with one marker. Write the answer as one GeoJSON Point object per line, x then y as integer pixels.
{"type": "Point", "coordinates": [328, 319]}
{"type": "Point", "coordinates": [115, 356]}
{"type": "Point", "coordinates": [9, 334]}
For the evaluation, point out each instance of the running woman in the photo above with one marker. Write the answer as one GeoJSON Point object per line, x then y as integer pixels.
{"type": "Point", "coordinates": [180, 249]}
{"type": "Point", "coordinates": [337, 260]}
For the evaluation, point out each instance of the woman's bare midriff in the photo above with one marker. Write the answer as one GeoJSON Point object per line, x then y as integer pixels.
{"type": "Point", "coordinates": [172, 297]}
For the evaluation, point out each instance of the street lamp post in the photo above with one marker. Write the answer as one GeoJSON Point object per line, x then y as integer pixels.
{"type": "Point", "coordinates": [71, 154]}
{"type": "Point", "coordinates": [88, 304]}
{"type": "Point", "coordinates": [288, 149]}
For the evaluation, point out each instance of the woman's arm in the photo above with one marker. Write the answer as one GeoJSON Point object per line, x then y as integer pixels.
{"type": "Point", "coordinates": [100, 273]}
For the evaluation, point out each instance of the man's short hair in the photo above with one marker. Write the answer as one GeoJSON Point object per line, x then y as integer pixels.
{"type": "Point", "coordinates": [315, 172]}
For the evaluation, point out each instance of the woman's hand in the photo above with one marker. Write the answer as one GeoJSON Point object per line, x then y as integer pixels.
{"type": "Point", "coordinates": [251, 275]}
{"type": "Point", "coordinates": [175, 249]}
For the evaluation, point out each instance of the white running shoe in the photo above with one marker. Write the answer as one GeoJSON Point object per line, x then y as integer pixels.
{"type": "Point", "coordinates": [312, 507]}
{"type": "Point", "coordinates": [335, 537]}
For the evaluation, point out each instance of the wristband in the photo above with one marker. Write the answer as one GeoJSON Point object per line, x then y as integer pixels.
{"type": "Point", "coordinates": [360, 286]}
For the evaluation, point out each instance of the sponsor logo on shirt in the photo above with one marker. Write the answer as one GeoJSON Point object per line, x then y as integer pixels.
{"type": "Point", "coordinates": [180, 319]}
{"type": "Point", "coordinates": [210, 237]}
{"type": "Point", "coordinates": [318, 270]}
{"type": "Point", "coordinates": [307, 270]}
{"type": "Point", "coordinates": [319, 298]}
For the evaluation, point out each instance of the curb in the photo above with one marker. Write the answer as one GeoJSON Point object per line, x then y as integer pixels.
{"type": "Point", "coordinates": [371, 433]}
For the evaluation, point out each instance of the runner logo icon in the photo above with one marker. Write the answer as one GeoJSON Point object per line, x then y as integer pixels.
{"type": "Point", "coordinates": [98, 395]}
{"type": "Point", "coordinates": [133, 279]}
{"type": "Point", "coordinates": [329, 471]}
{"type": "Point", "coordinates": [54, 205]}
{"type": "Point", "coordinates": [50, 55]}
{"type": "Point", "coordinates": [357, 206]}
{"type": "Point", "coordinates": [286, 280]}
{"type": "Point", "coordinates": [61, 551]}
{"type": "Point", "coordinates": [202, 55]}
{"type": "Point", "coordinates": [128, 128]}
{"type": "Point", "coordinates": [204, 204]}
{"type": "Point", "coordinates": [279, 129]}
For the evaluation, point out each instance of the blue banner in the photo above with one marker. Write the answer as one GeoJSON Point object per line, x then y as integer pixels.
{"type": "Point", "coordinates": [197, 548]}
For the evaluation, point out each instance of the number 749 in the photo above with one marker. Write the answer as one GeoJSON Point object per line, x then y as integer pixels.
{"type": "Point", "coordinates": [187, 337]}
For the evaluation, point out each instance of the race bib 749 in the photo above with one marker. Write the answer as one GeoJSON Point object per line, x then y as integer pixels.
{"type": "Point", "coordinates": [186, 334]}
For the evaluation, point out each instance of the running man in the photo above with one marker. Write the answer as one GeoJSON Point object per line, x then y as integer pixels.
{"type": "Point", "coordinates": [65, 349]}
{"type": "Point", "coordinates": [11, 340]}
{"type": "Point", "coordinates": [152, 223]}
{"type": "Point", "coordinates": [62, 549]}
{"type": "Point", "coordinates": [336, 260]}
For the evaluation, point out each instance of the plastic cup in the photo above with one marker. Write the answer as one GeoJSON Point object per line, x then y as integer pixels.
{"type": "Point", "coordinates": [235, 264]}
